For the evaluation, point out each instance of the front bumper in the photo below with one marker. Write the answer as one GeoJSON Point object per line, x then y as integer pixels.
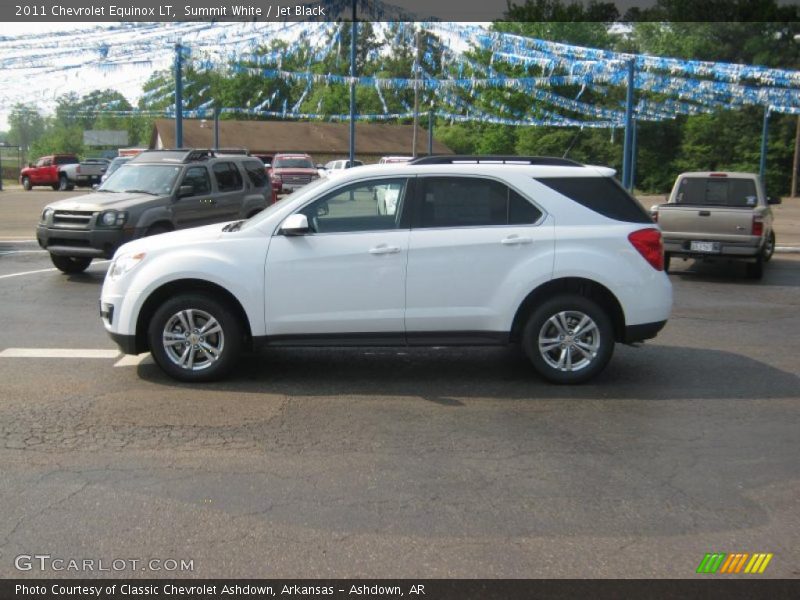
{"type": "Point", "coordinates": [90, 243]}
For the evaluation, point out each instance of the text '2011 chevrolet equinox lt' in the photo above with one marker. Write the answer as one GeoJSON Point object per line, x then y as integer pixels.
{"type": "Point", "coordinates": [547, 253]}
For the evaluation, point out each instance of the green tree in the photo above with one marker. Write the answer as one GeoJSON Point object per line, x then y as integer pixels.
{"type": "Point", "coordinates": [26, 125]}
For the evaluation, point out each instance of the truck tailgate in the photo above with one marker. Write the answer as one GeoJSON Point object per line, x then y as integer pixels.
{"type": "Point", "coordinates": [706, 222]}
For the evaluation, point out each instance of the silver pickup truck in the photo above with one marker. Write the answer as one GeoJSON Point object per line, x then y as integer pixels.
{"type": "Point", "coordinates": [722, 215]}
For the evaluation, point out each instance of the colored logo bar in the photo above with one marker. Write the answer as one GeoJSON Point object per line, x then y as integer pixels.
{"type": "Point", "coordinates": [737, 562]}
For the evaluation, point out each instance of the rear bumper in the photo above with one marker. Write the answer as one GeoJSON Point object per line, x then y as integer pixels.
{"type": "Point", "coordinates": [643, 331]}
{"type": "Point", "coordinates": [681, 247]}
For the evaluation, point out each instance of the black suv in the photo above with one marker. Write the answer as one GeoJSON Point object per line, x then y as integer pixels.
{"type": "Point", "coordinates": [157, 191]}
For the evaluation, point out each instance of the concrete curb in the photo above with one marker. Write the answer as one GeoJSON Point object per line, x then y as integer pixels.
{"type": "Point", "coordinates": [787, 249]}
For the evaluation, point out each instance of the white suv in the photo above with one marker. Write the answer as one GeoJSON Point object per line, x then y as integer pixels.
{"type": "Point", "coordinates": [543, 252]}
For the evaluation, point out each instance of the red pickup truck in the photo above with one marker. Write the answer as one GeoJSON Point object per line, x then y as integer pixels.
{"type": "Point", "coordinates": [62, 172]}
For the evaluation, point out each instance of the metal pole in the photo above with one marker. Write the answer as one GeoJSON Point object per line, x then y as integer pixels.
{"type": "Point", "coordinates": [353, 33]}
{"type": "Point", "coordinates": [796, 163]}
{"type": "Point", "coordinates": [633, 155]}
{"type": "Point", "coordinates": [216, 127]}
{"type": "Point", "coordinates": [1, 170]}
{"type": "Point", "coordinates": [430, 132]}
{"type": "Point", "coordinates": [416, 100]}
{"type": "Point", "coordinates": [762, 169]}
{"type": "Point", "coordinates": [178, 96]}
{"type": "Point", "coordinates": [626, 149]}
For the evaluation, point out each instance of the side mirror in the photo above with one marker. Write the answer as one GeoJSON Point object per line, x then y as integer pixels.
{"type": "Point", "coordinates": [771, 200]}
{"type": "Point", "coordinates": [30, 165]}
{"type": "Point", "coordinates": [185, 190]}
{"type": "Point", "coordinates": [296, 224]}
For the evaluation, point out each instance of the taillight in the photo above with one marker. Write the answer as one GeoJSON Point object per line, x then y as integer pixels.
{"type": "Point", "coordinates": [648, 243]}
{"type": "Point", "coordinates": [758, 225]}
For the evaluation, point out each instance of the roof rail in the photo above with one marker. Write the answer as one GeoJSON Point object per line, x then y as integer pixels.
{"type": "Point", "coordinates": [465, 159]}
{"type": "Point", "coordinates": [174, 155]}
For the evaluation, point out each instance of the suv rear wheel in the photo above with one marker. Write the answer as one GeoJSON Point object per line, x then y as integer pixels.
{"type": "Point", "coordinates": [194, 337]}
{"type": "Point", "coordinates": [71, 264]}
{"type": "Point", "coordinates": [569, 339]}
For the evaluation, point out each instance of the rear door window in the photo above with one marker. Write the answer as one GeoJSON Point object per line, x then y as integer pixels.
{"type": "Point", "coordinates": [603, 195]}
{"type": "Point", "coordinates": [471, 202]}
{"type": "Point", "coordinates": [255, 172]}
{"type": "Point", "coordinates": [228, 177]}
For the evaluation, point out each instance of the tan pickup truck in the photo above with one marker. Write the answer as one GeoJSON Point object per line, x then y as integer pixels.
{"type": "Point", "coordinates": [722, 215]}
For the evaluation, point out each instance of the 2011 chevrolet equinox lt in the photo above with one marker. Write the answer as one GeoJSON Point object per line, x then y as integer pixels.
{"type": "Point", "coordinates": [543, 252]}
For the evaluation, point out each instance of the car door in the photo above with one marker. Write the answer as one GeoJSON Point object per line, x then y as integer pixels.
{"type": "Point", "coordinates": [474, 243]}
{"type": "Point", "coordinates": [41, 174]}
{"type": "Point", "coordinates": [227, 203]}
{"type": "Point", "coordinates": [347, 276]}
{"type": "Point", "coordinates": [194, 208]}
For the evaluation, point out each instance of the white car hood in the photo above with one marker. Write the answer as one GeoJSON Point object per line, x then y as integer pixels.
{"type": "Point", "coordinates": [173, 239]}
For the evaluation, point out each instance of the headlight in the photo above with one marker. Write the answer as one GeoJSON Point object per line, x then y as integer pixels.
{"type": "Point", "coordinates": [123, 264]}
{"type": "Point", "coordinates": [46, 214]}
{"type": "Point", "coordinates": [112, 218]}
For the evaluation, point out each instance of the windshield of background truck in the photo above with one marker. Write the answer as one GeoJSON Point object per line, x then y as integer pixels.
{"type": "Point", "coordinates": [717, 191]}
{"type": "Point", "coordinates": [292, 163]}
{"type": "Point", "coordinates": [151, 179]}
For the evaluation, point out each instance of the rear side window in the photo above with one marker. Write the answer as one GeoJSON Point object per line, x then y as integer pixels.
{"type": "Point", "coordinates": [603, 195]}
{"type": "Point", "coordinates": [717, 191]}
{"type": "Point", "coordinates": [227, 176]}
{"type": "Point", "coordinates": [472, 202]}
{"type": "Point", "coordinates": [256, 172]}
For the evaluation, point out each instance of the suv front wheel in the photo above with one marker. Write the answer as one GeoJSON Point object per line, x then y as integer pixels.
{"type": "Point", "coordinates": [194, 337]}
{"type": "Point", "coordinates": [569, 339]}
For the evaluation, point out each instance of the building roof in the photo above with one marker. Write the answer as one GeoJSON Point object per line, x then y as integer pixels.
{"type": "Point", "coordinates": [268, 137]}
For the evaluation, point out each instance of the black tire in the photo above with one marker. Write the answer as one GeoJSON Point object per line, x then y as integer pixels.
{"type": "Point", "coordinates": [755, 270]}
{"type": "Point", "coordinates": [26, 184]}
{"type": "Point", "coordinates": [70, 264]}
{"type": "Point", "coordinates": [63, 184]}
{"type": "Point", "coordinates": [769, 247]}
{"type": "Point", "coordinates": [667, 258]}
{"type": "Point", "coordinates": [178, 358]}
{"type": "Point", "coordinates": [596, 339]}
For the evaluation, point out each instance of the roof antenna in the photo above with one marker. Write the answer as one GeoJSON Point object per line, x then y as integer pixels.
{"type": "Point", "coordinates": [572, 143]}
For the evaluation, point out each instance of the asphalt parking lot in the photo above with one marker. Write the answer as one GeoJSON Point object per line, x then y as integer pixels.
{"type": "Point", "coordinates": [401, 463]}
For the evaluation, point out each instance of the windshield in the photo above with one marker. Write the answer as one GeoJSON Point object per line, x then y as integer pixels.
{"type": "Point", "coordinates": [265, 214]}
{"type": "Point", "coordinates": [292, 163]}
{"type": "Point", "coordinates": [717, 191]}
{"type": "Point", "coordinates": [151, 179]}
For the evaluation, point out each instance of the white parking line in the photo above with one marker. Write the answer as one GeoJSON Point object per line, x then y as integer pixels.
{"type": "Point", "coordinates": [13, 240]}
{"type": "Point", "coordinates": [58, 353]}
{"type": "Point", "coordinates": [23, 252]}
{"type": "Point", "coordinates": [132, 360]}
{"type": "Point", "coordinates": [99, 262]}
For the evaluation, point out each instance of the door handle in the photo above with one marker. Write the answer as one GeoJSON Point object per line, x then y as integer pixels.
{"type": "Point", "coordinates": [384, 249]}
{"type": "Point", "coordinates": [515, 240]}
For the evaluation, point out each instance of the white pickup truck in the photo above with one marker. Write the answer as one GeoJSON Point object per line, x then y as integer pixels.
{"type": "Point", "coordinates": [723, 215]}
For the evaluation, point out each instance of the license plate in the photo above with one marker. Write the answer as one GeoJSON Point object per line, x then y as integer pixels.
{"type": "Point", "coordinates": [704, 246]}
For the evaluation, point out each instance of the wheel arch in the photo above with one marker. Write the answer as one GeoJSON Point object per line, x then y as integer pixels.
{"type": "Point", "coordinates": [571, 285]}
{"type": "Point", "coordinates": [182, 286]}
